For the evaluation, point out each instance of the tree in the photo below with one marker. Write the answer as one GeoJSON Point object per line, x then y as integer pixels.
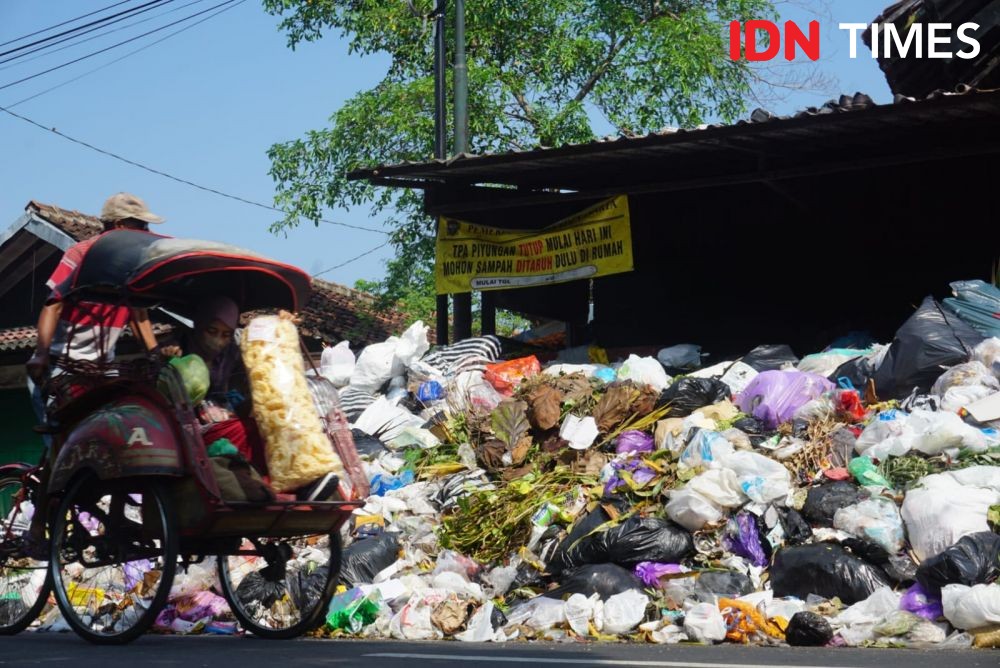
{"type": "Point", "coordinates": [539, 72]}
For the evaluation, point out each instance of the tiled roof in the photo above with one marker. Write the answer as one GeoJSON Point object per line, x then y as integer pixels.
{"type": "Point", "coordinates": [337, 312]}
{"type": "Point", "coordinates": [334, 312]}
{"type": "Point", "coordinates": [77, 225]}
{"type": "Point", "coordinates": [17, 338]}
{"type": "Point", "coordinates": [23, 338]}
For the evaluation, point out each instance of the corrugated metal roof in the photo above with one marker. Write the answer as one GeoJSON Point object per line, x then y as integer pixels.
{"type": "Point", "coordinates": [837, 124]}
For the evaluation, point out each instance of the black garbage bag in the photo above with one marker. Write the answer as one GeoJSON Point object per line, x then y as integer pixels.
{"type": "Point", "coordinates": [930, 342]}
{"type": "Point", "coordinates": [974, 559]}
{"type": "Point", "coordinates": [824, 501]}
{"type": "Point", "coordinates": [797, 530]}
{"type": "Point", "coordinates": [900, 569]}
{"type": "Point", "coordinates": [498, 620]}
{"type": "Point", "coordinates": [770, 358]}
{"type": "Point", "coordinates": [12, 608]}
{"type": "Point", "coordinates": [858, 370]}
{"type": "Point", "coordinates": [306, 588]}
{"type": "Point", "coordinates": [634, 540]}
{"type": "Point", "coordinates": [808, 629]}
{"type": "Point", "coordinates": [255, 590]}
{"type": "Point", "coordinates": [587, 524]}
{"type": "Point", "coordinates": [827, 570]}
{"type": "Point", "coordinates": [689, 394]}
{"type": "Point", "coordinates": [605, 580]}
{"type": "Point", "coordinates": [363, 559]}
{"type": "Point", "coordinates": [751, 425]}
{"type": "Point", "coordinates": [366, 444]}
{"type": "Point", "coordinates": [730, 584]}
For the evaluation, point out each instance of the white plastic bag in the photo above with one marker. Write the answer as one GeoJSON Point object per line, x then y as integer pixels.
{"type": "Point", "coordinates": [692, 510]}
{"type": "Point", "coordinates": [971, 607]}
{"type": "Point", "coordinates": [539, 613]}
{"type": "Point", "coordinates": [411, 347]}
{"type": "Point", "coordinates": [876, 519]}
{"type": "Point", "coordinates": [965, 375]}
{"type": "Point", "coordinates": [336, 364]}
{"type": "Point", "coordinates": [579, 612]}
{"type": "Point", "coordinates": [470, 391]}
{"type": "Point", "coordinates": [703, 622]}
{"type": "Point", "coordinates": [761, 478]}
{"type": "Point", "coordinates": [480, 626]}
{"type": "Point", "coordinates": [737, 375]}
{"type": "Point", "coordinates": [706, 448]}
{"type": "Point", "coordinates": [413, 621]}
{"type": "Point", "coordinates": [938, 431]}
{"type": "Point", "coordinates": [889, 434]}
{"type": "Point", "coordinates": [374, 366]}
{"type": "Point", "coordinates": [414, 436]}
{"type": "Point", "coordinates": [988, 354]}
{"type": "Point", "coordinates": [623, 612]}
{"type": "Point", "coordinates": [387, 420]}
{"type": "Point", "coordinates": [946, 506]}
{"type": "Point", "coordinates": [580, 432]}
{"type": "Point", "coordinates": [720, 486]}
{"type": "Point", "coordinates": [644, 370]}
{"type": "Point", "coordinates": [871, 611]}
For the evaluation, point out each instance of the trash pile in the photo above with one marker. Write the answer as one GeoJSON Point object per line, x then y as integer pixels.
{"type": "Point", "coordinates": [848, 498]}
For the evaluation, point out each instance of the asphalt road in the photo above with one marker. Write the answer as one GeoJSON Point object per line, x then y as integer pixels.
{"type": "Point", "coordinates": [56, 650]}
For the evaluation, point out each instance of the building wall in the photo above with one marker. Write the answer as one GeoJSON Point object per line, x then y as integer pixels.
{"type": "Point", "coordinates": [17, 440]}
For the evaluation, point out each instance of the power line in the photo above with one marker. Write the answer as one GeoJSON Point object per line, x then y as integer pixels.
{"type": "Point", "coordinates": [76, 29]}
{"type": "Point", "coordinates": [353, 259]}
{"type": "Point", "coordinates": [176, 178]}
{"type": "Point", "coordinates": [130, 53]}
{"type": "Point", "coordinates": [47, 48]}
{"type": "Point", "coordinates": [59, 25]}
{"type": "Point", "coordinates": [123, 42]}
{"type": "Point", "coordinates": [99, 35]}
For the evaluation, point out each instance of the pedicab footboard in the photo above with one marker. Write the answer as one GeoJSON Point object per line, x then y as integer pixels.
{"type": "Point", "coordinates": [276, 519]}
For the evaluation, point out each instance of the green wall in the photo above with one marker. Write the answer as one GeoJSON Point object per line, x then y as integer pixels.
{"type": "Point", "coordinates": [18, 443]}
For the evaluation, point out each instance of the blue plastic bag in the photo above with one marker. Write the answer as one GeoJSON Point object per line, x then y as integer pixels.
{"type": "Point", "coordinates": [384, 483]}
{"type": "Point", "coordinates": [430, 391]}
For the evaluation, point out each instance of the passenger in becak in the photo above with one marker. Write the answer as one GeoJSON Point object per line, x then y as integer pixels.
{"type": "Point", "coordinates": [225, 411]}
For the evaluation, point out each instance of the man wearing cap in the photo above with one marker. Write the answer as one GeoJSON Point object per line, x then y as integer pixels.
{"type": "Point", "coordinates": [87, 330]}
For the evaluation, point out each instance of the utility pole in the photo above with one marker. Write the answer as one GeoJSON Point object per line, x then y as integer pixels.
{"type": "Point", "coordinates": [463, 301]}
{"type": "Point", "coordinates": [440, 134]}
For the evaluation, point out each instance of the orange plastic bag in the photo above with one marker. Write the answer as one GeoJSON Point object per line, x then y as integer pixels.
{"type": "Point", "coordinates": [506, 376]}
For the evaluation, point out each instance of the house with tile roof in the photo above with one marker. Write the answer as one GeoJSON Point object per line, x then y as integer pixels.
{"type": "Point", "coordinates": [30, 250]}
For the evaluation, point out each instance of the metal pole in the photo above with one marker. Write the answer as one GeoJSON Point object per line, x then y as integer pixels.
{"type": "Point", "coordinates": [463, 302]}
{"type": "Point", "coordinates": [440, 134]}
{"type": "Point", "coordinates": [461, 82]}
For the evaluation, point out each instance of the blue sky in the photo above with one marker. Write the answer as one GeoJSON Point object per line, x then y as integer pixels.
{"type": "Point", "coordinates": [206, 104]}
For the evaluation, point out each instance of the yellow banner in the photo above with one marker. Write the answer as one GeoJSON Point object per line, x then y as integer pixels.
{"type": "Point", "coordinates": [594, 242]}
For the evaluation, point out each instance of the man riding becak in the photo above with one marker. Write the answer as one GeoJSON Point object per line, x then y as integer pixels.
{"type": "Point", "coordinates": [86, 330]}
{"type": "Point", "coordinates": [81, 330]}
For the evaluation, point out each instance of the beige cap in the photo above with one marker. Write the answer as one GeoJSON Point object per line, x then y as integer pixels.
{"type": "Point", "coordinates": [123, 205]}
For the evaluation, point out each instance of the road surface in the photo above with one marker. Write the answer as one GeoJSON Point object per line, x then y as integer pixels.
{"type": "Point", "coordinates": [58, 650]}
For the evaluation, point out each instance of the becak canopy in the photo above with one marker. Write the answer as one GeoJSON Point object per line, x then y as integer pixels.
{"type": "Point", "coordinates": [145, 268]}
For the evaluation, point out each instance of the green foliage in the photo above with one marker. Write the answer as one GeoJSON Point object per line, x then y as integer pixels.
{"type": "Point", "coordinates": [536, 68]}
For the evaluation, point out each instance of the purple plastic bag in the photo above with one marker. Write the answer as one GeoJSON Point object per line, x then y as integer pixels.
{"type": "Point", "coordinates": [743, 539]}
{"type": "Point", "coordinates": [774, 396]}
{"type": "Point", "coordinates": [634, 441]}
{"type": "Point", "coordinates": [640, 473]}
{"type": "Point", "coordinates": [650, 572]}
{"type": "Point", "coordinates": [917, 601]}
